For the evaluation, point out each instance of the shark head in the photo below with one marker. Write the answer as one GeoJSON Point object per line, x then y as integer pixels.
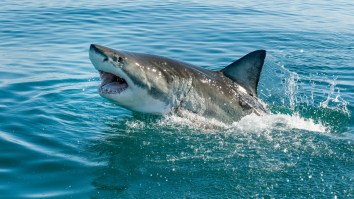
{"type": "Point", "coordinates": [133, 80]}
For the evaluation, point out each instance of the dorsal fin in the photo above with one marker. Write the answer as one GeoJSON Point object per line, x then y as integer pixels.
{"type": "Point", "coordinates": [246, 70]}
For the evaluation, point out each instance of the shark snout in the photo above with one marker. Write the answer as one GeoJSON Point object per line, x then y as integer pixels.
{"type": "Point", "coordinates": [105, 53]}
{"type": "Point", "coordinates": [97, 49]}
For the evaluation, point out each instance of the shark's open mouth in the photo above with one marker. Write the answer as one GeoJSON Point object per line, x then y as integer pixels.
{"type": "Point", "coordinates": [111, 83]}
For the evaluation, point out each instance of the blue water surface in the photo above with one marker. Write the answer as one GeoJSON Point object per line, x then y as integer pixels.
{"type": "Point", "coordinates": [60, 139]}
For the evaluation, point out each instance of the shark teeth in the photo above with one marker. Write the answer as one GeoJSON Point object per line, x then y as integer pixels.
{"type": "Point", "coordinates": [111, 83]}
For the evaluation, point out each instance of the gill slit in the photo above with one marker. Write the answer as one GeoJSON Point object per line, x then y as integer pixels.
{"type": "Point", "coordinates": [185, 95]}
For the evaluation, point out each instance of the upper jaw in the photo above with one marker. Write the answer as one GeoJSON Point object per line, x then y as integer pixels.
{"type": "Point", "coordinates": [99, 56]}
{"type": "Point", "coordinates": [99, 49]}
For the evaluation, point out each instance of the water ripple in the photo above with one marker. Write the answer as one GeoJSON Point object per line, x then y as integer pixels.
{"type": "Point", "coordinates": [59, 138]}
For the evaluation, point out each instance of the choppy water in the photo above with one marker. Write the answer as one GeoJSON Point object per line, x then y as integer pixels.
{"type": "Point", "coordinates": [60, 139]}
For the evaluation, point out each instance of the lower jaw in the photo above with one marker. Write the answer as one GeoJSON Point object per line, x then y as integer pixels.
{"type": "Point", "coordinates": [104, 91]}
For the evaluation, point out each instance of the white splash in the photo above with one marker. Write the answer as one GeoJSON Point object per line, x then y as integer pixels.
{"type": "Point", "coordinates": [253, 122]}
{"type": "Point", "coordinates": [249, 123]}
{"type": "Point", "coordinates": [192, 121]}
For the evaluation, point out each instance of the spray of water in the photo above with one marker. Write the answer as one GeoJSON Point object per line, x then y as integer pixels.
{"type": "Point", "coordinates": [314, 98]}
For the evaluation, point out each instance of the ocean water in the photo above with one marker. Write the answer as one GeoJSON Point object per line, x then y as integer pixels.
{"type": "Point", "coordinates": [60, 139]}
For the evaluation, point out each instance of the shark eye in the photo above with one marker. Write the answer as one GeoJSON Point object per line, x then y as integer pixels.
{"type": "Point", "coordinates": [105, 59]}
{"type": "Point", "coordinates": [118, 59]}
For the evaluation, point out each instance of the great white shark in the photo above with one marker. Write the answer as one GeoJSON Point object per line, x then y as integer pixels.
{"type": "Point", "coordinates": [159, 85]}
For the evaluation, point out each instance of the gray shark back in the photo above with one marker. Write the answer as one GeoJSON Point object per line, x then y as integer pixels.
{"type": "Point", "coordinates": [228, 94]}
